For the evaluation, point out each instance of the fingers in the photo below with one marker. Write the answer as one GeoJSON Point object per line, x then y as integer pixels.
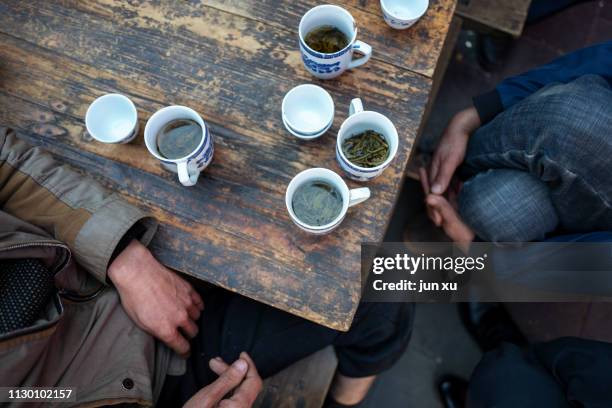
{"type": "Point", "coordinates": [443, 177]}
{"type": "Point", "coordinates": [434, 201]}
{"type": "Point", "coordinates": [247, 392]}
{"type": "Point", "coordinates": [177, 342]}
{"type": "Point", "coordinates": [197, 299]}
{"type": "Point", "coordinates": [189, 327]}
{"type": "Point", "coordinates": [193, 311]}
{"type": "Point", "coordinates": [228, 403]}
{"type": "Point", "coordinates": [441, 206]}
{"type": "Point", "coordinates": [230, 379]}
{"type": "Point", "coordinates": [252, 373]}
{"type": "Point", "coordinates": [436, 217]}
{"type": "Point", "coordinates": [435, 166]}
{"type": "Point", "coordinates": [209, 396]}
{"type": "Point", "coordinates": [193, 305]}
{"type": "Point", "coordinates": [192, 300]}
{"type": "Point", "coordinates": [424, 180]}
{"type": "Point", "coordinates": [217, 365]}
{"type": "Point", "coordinates": [434, 207]}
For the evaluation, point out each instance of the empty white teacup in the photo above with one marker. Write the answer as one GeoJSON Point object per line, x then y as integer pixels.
{"type": "Point", "coordinates": [190, 166]}
{"type": "Point", "coordinates": [401, 14]}
{"type": "Point", "coordinates": [349, 197]}
{"type": "Point", "coordinates": [112, 118]}
{"type": "Point", "coordinates": [326, 66]}
{"type": "Point", "coordinates": [307, 111]}
{"type": "Point", "coordinates": [358, 122]}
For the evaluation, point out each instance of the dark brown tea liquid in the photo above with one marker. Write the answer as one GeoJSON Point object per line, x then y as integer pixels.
{"type": "Point", "coordinates": [326, 39]}
{"type": "Point", "coordinates": [316, 203]}
{"type": "Point", "coordinates": [178, 138]}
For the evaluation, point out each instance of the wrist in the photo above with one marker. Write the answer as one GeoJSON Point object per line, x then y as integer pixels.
{"type": "Point", "coordinates": [122, 266]}
{"type": "Point", "coordinates": [467, 121]}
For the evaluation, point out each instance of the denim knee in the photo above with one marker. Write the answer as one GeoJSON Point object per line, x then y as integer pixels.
{"type": "Point", "coordinates": [503, 205]}
{"type": "Point", "coordinates": [561, 128]}
{"type": "Point", "coordinates": [574, 122]}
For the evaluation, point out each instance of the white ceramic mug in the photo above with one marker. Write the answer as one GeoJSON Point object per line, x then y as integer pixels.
{"type": "Point", "coordinates": [112, 118]}
{"type": "Point", "coordinates": [349, 197]}
{"type": "Point", "coordinates": [401, 14]}
{"type": "Point", "coordinates": [190, 166]}
{"type": "Point", "coordinates": [326, 66]}
{"type": "Point", "coordinates": [360, 121]}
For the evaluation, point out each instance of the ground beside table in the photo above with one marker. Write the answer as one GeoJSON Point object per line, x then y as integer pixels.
{"type": "Point", "coordinates": [232, 62]}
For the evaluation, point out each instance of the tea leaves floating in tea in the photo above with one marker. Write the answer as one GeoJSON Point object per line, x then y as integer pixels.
{"type": "Point", "coordinates": [316, 203]}
{"type": "Point", "coordinates": [326, 39]}
{"type": "Point", "coordinates": [366, 149]}
{"type": "Point", "coordinates": [178, 138]}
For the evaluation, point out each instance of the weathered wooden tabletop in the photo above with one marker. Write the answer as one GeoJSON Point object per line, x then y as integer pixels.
{"type": "Point", "coordinates": [232, 61]}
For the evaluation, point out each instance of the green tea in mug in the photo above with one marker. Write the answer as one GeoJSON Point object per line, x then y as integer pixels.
{"type": "Point", "coordinates": [326, 39]}
{"type": "Point", "coordinates": [366, 149]}
{"type": "Point", "coordinates": [178, 138]}
{"type": "Point", "coordinates": [316, 203]}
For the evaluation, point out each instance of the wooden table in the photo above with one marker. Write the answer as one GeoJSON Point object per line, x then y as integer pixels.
{"type": "Point", "coordinates": [506, 16]}
{"type": "Point", "coordinates": [232, 61]}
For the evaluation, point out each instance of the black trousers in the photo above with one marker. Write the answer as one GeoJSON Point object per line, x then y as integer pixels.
{"type": "Point", "coordinates": [568, 372]}
{"type": "Point", "coordinates": [231, 324]}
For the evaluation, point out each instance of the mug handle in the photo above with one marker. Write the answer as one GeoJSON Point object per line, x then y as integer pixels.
{"type": "Point", "coordinates": [358, 195]}
{"type": "Point", "coordinates": [361, 48]}
{"type": "Point", "coordinates": [356, 106]}
{"type": "Point", "coordinates": [185, 178]}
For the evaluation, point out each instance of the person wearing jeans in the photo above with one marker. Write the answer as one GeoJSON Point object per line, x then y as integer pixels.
{"type": "Point", "coordinates": [562, 373]}
{"type": "Point", "coordinates": [533, 154]}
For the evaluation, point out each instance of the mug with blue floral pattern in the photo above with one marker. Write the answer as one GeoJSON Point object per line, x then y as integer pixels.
{"type": "Point", "coordinates": [327, 66]}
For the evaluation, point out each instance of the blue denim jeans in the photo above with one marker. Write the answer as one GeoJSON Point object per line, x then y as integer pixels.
{"type": "Point", "coordinates": [544, 164]}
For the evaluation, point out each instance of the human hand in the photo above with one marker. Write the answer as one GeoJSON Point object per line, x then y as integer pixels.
{"type": "Point", "coordinates": [443, 212]}
{"type": "Point", "coordinates": [451, 150]}
{"type": "Point", "coordinates": [241, 377]}
{"type": "Point", "coordinates": [155, 298]}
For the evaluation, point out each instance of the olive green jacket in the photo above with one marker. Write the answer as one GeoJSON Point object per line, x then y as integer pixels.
{"type": "Point", "coordinates": [85, 340]}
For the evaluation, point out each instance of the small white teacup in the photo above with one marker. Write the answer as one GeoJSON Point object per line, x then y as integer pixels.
{"type": "Point", "coordinates": [349, 197]}
{"type": "Point", "coordinates": [360, 121]}
{"type": "Point", "coordinates": [112, 118]}
{"type": "Point", "coordinates": [308, 111]}
{"type": "Point", "coordinates": [401, 14]}
{"type": "Point", "coordinates": [327, 66]}
{"type": "Point", "coordinates": [190, 166]}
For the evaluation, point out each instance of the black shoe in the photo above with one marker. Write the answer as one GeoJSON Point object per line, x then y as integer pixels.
{"type": "Point", "coordinates": [489, 324]}
{"type": "Point", "coordinates": [453, 391]}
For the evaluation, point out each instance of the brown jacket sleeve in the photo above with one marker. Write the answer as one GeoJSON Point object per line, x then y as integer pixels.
{"type": "Point", "coordinates": [72, 208]}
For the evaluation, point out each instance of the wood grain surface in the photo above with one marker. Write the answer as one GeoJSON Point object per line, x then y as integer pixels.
{"type": "Point", "coordinates": [232, 61]}
{"type": "Point", "coordinates": [503, 15]}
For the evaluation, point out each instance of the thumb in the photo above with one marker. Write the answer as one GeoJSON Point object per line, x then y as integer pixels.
{"type": "Point", "coordinates": [230, 379]}
{"type": "Point", "coordinates": [444, 176]}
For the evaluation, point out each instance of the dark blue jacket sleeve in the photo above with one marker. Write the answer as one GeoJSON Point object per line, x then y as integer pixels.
{"type": "Point", "coordinates": [596, 60]}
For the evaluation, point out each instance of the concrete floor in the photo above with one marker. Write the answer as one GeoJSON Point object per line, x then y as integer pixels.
{"type": "Point", "coordinates": [440, 344]}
